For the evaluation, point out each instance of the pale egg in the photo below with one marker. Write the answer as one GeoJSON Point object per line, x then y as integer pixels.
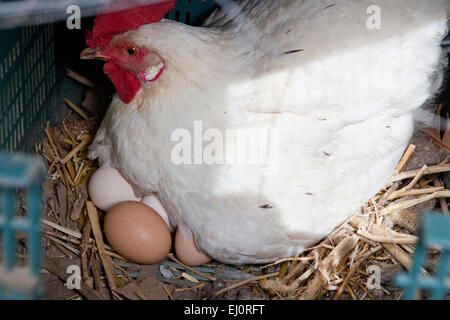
{"type": "Point", "coordinates": [187, 251]}
{"type": "Point", "coordinates": [107, 188]}
{"type": "Point", "coordinates": [153, 202]}
{"type": "Point", "coordinates": [137, 232]}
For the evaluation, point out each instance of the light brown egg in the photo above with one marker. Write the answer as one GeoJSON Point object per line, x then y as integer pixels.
{"type": "Point", "coordinates": [187, 251]}
{"type": "Point", "coordinates": [107, 188]}
{"type": "Point", "coordinates": [137, 232]}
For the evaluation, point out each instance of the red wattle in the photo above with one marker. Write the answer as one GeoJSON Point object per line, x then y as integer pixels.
{"type": "Point", "coordinates": [126, 83]}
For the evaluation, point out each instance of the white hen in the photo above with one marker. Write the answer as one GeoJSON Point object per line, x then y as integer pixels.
{"type": "Point", "coordinates": [336, 92]}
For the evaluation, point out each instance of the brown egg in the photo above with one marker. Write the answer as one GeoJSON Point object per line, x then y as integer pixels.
{"type": "Point", "coordinates": [137, 232]}
{"type": "Point", "coordinates": [187, 251]}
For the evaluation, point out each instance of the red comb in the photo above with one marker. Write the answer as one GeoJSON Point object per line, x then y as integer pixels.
{"type": "Point", "coordinates": [113, 22]}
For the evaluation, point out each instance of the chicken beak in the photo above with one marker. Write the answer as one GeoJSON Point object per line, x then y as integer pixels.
{"type": "Point", "coordinates": [92, 53]}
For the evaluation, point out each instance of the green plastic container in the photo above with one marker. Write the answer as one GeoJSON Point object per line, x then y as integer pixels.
{"type": "Point", "coordinates": [24, 173]}
{"type": "Point", "coordinates": [32, 74]}
{"type": "Point", "coordinates": [27, 85]}
{"type": "Point", "coordinates": [434, 234]}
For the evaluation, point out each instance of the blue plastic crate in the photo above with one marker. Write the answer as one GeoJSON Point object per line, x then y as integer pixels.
{"type": "Point", "coordinates": [20, 172]}
{"type": "Point", "coordinates": [434, 234]}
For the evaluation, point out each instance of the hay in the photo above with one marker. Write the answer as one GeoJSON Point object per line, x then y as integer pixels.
{"type": "Point", "coordinates": [335, 268]}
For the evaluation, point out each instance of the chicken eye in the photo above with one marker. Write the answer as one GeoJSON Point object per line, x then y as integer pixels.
{"type": "Point", "coordinates": [132, 51]}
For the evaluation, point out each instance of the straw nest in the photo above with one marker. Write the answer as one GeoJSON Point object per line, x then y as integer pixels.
{"type": "Point", "coordinates": [378, 240]}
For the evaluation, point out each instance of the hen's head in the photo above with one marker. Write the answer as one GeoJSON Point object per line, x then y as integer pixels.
{"type": "Point", "coordinates": [128, 63]}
